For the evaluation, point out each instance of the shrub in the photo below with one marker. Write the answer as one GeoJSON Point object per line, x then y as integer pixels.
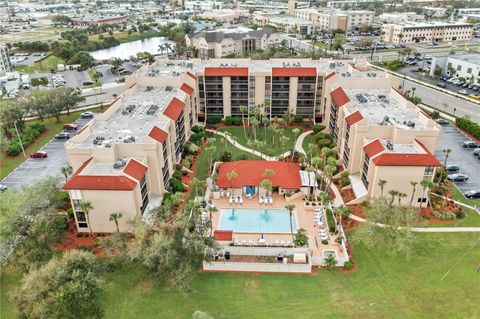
{"type": "Point", "coordinates": [435, 115]}
{"type": "Point", "coordinates": [214, 119]}
{"type": "Point", "coordinates": [301, 238]}
{"type": "Point", "coordinates": [318, 128]}
{"type": "Point", "coordinates": [226, 156]}
{"type": "Point", "coordinates": [324, 142]}
{"type": "Point", "coordinates": [344, 178]}
{"type": "Point", "coordinates": [70, 213]}
{"type": "Point", "coordinates": [331, 221]}
{"type": "Point", "coordinates": [325, 242]}
{"type": "Point", "coordinates": [177, 186]}
{"type": "Point", "coordinates": [460, 212]}
{"type": "Point", "coordinates": [469, 126]}
{"type": "Point", "coordinates": [39, 127]}
{"type": "Point", "coordinates": [339, 240]}
{"type": "Point", "coordinates": [348, 265]}
{"type": "Point", "coordinates": [242, 157]}
{"type": "Point", "coordinates": [79, 234]}
{"type": "Point", "coordinates": [177, 174]}
{"type": "Point", "coordinates": [186, 163]}
{"type": "Point", "coordinates": [233, 120]}
{"type": "Point", "coordinates": [28, 136]}
{"type": "Point", "coordinates": [307, 203]}
{"type": "Point", "coordinates": [197, 137]}
{"type": "Point", "coordinates": [198, 129]}
{"type": "Point", "coordinates": [14, 148]}
{"type": "Point", "coordinates": [298, 119]}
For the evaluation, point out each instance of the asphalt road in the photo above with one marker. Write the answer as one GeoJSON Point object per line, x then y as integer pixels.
{"type": "Point", "coordinates": [452, 138]}
{"type": "Point", "coordinates": [34, 169]}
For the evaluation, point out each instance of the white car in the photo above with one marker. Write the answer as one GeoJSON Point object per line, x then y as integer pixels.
{"type": "Point", "coordinates": [464, 92]}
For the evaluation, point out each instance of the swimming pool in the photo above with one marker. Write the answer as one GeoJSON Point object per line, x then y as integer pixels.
{"type": "Point", "coordinates": [252, 220]}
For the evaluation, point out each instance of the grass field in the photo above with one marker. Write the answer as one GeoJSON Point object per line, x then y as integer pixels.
{"type": "Point", "coordinates": [8, 164]}
{"type": "Point", "coordinates": [43, 66]}
{"type": "Point", "coordinates": [439, 281]}
{"type": "Point", "coordinates": [270, 148]}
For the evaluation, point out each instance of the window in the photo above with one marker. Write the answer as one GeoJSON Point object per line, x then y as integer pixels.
{"type": "Point", "coordinates": [428, 173]}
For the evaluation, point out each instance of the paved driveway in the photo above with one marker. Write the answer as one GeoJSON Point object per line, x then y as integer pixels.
{"type": "Point", "coordinates": [34, 169]}
{"type": "Point", "coordinates": [453, 139]}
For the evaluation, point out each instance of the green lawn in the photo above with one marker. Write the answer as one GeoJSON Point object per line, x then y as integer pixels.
{"type": "Point", "coordinates": [43, 66]}
{"type": "Point", "coordinates": [439, 281]}
{"type": "Point", "coordinates": [270, 148]}
{"type": "Point", "coordinates": [459, 197]}
{"type": "Point", "coordinates": [201, 165]}
{"type": "Point", "coordinates": [8, 164]}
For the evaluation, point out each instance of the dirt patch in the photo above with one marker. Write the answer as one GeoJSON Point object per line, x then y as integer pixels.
{"type": "Point", "coordinates": [427, 213]}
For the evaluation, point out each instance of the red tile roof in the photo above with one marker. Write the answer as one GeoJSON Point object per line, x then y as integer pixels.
{"type": "Point", "coordinates": [373, 148]}
{"type": "Point", "coordinates": [328, 76]}
{"type": "Point", "coordinates": [294, 72]}
{"type": "Point", "coordinates": [135, 169]}
{"type": "Point", "coordinates": [399, 159]}
{"type": "Point", "coordinates": [186, 88]}
{"type": "Point", "coordinates": [354, 118]}
{"type": "Point", "coordinates": [174, 109]}
{"type": "Point", "coordinates": [221, 71]}
{"type": "Point", "coordinates": [339, 97]}
{"type": "Point", "coordinates": [250, 173]}
{"type": "Point", "coordinates": [223, 235]}
{"type": "Point", "coordinates": [90, 182]}
{"type": "Point", "coordinates": [190, 74]}
{"type": "Point", "coordinates": [158, 134]}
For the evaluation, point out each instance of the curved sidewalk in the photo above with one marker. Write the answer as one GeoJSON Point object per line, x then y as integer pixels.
{"type": "Point", "coordinates": [299, 142]}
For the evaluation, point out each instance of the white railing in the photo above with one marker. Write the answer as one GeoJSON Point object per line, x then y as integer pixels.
{"type": "Point", "coordinates": [256, 267]}
{"type": "Point", "coordinates": [262, 251]}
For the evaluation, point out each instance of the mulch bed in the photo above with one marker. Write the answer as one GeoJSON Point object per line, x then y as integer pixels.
{"type": "Point", "coordinates": [71, 241]}
{"type": "Point", "coordinates": [427, 212]}
{"type": "Point", "coordinates": [347, 195]}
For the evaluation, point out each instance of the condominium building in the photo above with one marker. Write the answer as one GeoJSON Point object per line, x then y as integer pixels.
{"type": "Point", "coordinates": [124, 158]}
{"type": "Point", "coordinates": [380, 136]}
{"type": "Point", "coordinates": [432, 32]}
{"type": "Point", "coordinates": [5, 63]}
{"type": "Point", "coordinates": [223, 42]}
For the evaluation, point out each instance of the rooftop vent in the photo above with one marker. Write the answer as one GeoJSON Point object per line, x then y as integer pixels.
{"type": "Point", "coordinates": [129, 109]}
{"type": "Point", "coordinates": [168, 88]}
{"type": "Point", "coordinates": [119, 163]}
{"type": "Point", "coordinates": [332, 65]}
{"type": "Point", "coordinates": [129, 139]}
{"type": "Point", "coordinates": [389, 146]}
{"type": "Point", "coordinates": [98, 140]}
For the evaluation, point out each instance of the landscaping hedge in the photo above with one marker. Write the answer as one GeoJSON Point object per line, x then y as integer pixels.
{"type": "Point", "coordinates": [214, 119]}
{"type": "Point", "coordinates": [28, 136]}
{"type": "Point", "coordinates": [469, 126]}
{"type": "Point", "coordinates": [298, 119]}
{"type": "Point", "coordinates": [331, 221]}
{"type": "Point", "coordinates": [233, 120]}
{"type": "Point", "coordinates": [318, 128]}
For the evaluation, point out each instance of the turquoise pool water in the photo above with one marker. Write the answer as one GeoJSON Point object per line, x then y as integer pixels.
{"type": "Point", "coordinates": [253, 220]}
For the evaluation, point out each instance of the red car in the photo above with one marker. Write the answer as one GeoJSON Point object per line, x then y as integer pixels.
{"type": "Point", "coordinates": [39, 154]}
{"type": "Point", "coordinates": [70, 127]}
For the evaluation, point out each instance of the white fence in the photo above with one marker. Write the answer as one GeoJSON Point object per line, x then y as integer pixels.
{"type": "Point", "coordinates": [262, 251]}
{"type": "Point", "coordinates": [256, 267]}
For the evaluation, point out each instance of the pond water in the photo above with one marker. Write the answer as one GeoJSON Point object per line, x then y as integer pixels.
{"type": "Point", "coordinates": [125, 50]}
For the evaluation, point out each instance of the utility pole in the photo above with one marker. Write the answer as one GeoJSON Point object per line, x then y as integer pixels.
{"type": "Point", "coordinates": [20, 139]}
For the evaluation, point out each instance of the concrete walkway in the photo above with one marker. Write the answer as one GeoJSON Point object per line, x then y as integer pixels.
{"type": "Point", "coordinates": [249, 150]}
{"type": "Point", "coordinates": [426, 229]}
{"type": "Point", "coordinates": [299, 142]}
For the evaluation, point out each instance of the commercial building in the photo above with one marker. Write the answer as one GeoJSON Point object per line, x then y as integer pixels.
{"type": "Point", "coordinates": [380, 136]}
{"type": "Point", "coordinates": [223, 42]}
{"type": "Point", "coordinates": [225, 15]}
{"type": "Point", "coordinates": [465, 66]}
{"type": "Point", "coordinates": [5, 63]}
{"type": "Point", "coordinates": [197, 5]}
{"type": "Point", "coordinates": [96, 21]}
{"type": "Point", "coordinates": [331, 19]}
{"type": "Point", "coordinates": [432, 32]}
{"type": "Point", "coordinates": [400, 17]}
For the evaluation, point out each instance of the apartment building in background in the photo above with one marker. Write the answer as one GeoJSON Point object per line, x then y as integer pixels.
{"type": "Point", "coordinates": [465, 66]}
{"type": "Point", "coordinates": [5, 63]}
{"type": "Point", "coordinates": [88, 21]}
{"type": "Point", "coordinates": [380, 136]}
{"type": "Point", "coordinates": [332, 19]}
{"type": "Point", "coordinates": [431, 32]}
{"type": "Point", "coordinates": [124, 158]}
{"type": "Point", "coordinates": [400, 17]}
{"type": "Point", "coordinates": [223, 42]}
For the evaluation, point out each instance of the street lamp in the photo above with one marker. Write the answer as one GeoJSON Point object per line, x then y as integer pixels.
{"type": "Point", "coordinates": [20, 139]}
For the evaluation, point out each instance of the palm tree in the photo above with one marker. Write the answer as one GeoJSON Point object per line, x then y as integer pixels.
{"type": "Point", "coordinates": [309, 170]}
{"type": "Point", "coordinates": [330, 262]}
{"type": "Point", "coordinates": [414, 185]}
{"type": "Point", "coordinates": [231, 178]}
{"type": "Point", "coordinates": [168, 47]}
{"type": "Point", "coordinates": [161, 48]}
{"type": "Point", "coordinates": [254, 123]}
{"type": "Point", "coordinates": [86, 207]}
{"type": "Point", "coordinates": [393, 193]}
{"type": "Point", "coordinates": [382, 183]}
{"type": "Point", "coordinates": [427, 185]}
{"type": "Point", "coordinates": [66, 170]}
{"type": "Point", "coordinates": [268, 172]}
{"type": "Point", "coordinates": [266, 184]}
{"type": "Point", "coordinates": [243, 109]}
{"type": "Point", "coordinates": [114, 217]}
{"type": "Point", "coordinates": [211, 209]}
{"type": "Point", "coordinates": [447, 152]}
{"type": "Point", "coordinates": [329, 171]}
{"type": "Point", "coordinates": [400, 196]}
{"type": "Point", "coordinates": [195, 183]}
{"type": "Point", "coordinates": [291, 208]}
{"type": "Point", "coordinates": [342, 212]}
{"type": "Point", "coordinates": [296, 133]}
{"type": "Point", "coordinates": [274, 127]}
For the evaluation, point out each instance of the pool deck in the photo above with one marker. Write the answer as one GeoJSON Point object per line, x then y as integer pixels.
{"type": "Point", "coordinates": [305, 220]}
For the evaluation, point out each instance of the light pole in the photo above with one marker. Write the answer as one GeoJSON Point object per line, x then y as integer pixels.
{"type": "Point", "coordinates": [20, 139]}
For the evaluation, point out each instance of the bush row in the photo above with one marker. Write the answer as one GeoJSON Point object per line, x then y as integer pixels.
{"type": "Point", "coordinates": [29, 134]}
{"type": "Point", "coordinates": [469, 126]}
{"type": "Point", "coordinates": [233, 120]}
{"type": "Point", "coordinates": [214, 119]}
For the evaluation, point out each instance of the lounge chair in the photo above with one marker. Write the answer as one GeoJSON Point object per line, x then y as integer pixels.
{"type": "Point", "coordinates": [289, 243]}
{"type": "Point", "coordinates": [260, 199]}
{"type": "Point", "coordinates": [236, 200]}
{"type": "Point", "coordinates": [276, 242]}
{"type": "Point", "coordinates": [230, 200]}
{"type": "Point", "coordinates": [282, 242]}
{"type": "Point", "coordinates": [250, 242]}
{"type": "Point", "coordinates": [241, 200]}
{"type": "Point", "coordinates": [270, 200]}
{"type": "Point", "coordinates": [236, 242]}
{"type": "Point", "coordinates": [244, 242]}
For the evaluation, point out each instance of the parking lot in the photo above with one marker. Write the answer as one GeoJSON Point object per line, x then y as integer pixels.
{"type": "Point", "coordinates": [34, 169]}
{"type": "Point", "coordinates": [452, 138]}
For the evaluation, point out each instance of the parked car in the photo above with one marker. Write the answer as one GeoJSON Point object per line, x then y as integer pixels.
{"type": "Point", "coordinates": [62, 136]}
{"type": "Point", "coordinates": [458, 177]}
{"type": "Point", "coordinates": [474, 96]}
{"type": "Point", "coordinates": [85, 83]}
{"type": "Point", "coordinates": [475, 193]}
{"type": "Point", "coordinates": [86, 115]}
{"type": "Point", "coordinates": [470, 144]}
{"type": "Point", "coordinates": [70, 127]}
{"type": "Point", "coordinates": [442, 121]}
{"type": "Point", "coordinates": [452, 168]}
{"type": "Point", "coordinates": [476, 152]}
{"type": "Point", "coordinates": [3, 187]}
{"type": "Point", "coordinates": [442, 85]}
{"type": "Point", "coordinates": [39, 154]}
